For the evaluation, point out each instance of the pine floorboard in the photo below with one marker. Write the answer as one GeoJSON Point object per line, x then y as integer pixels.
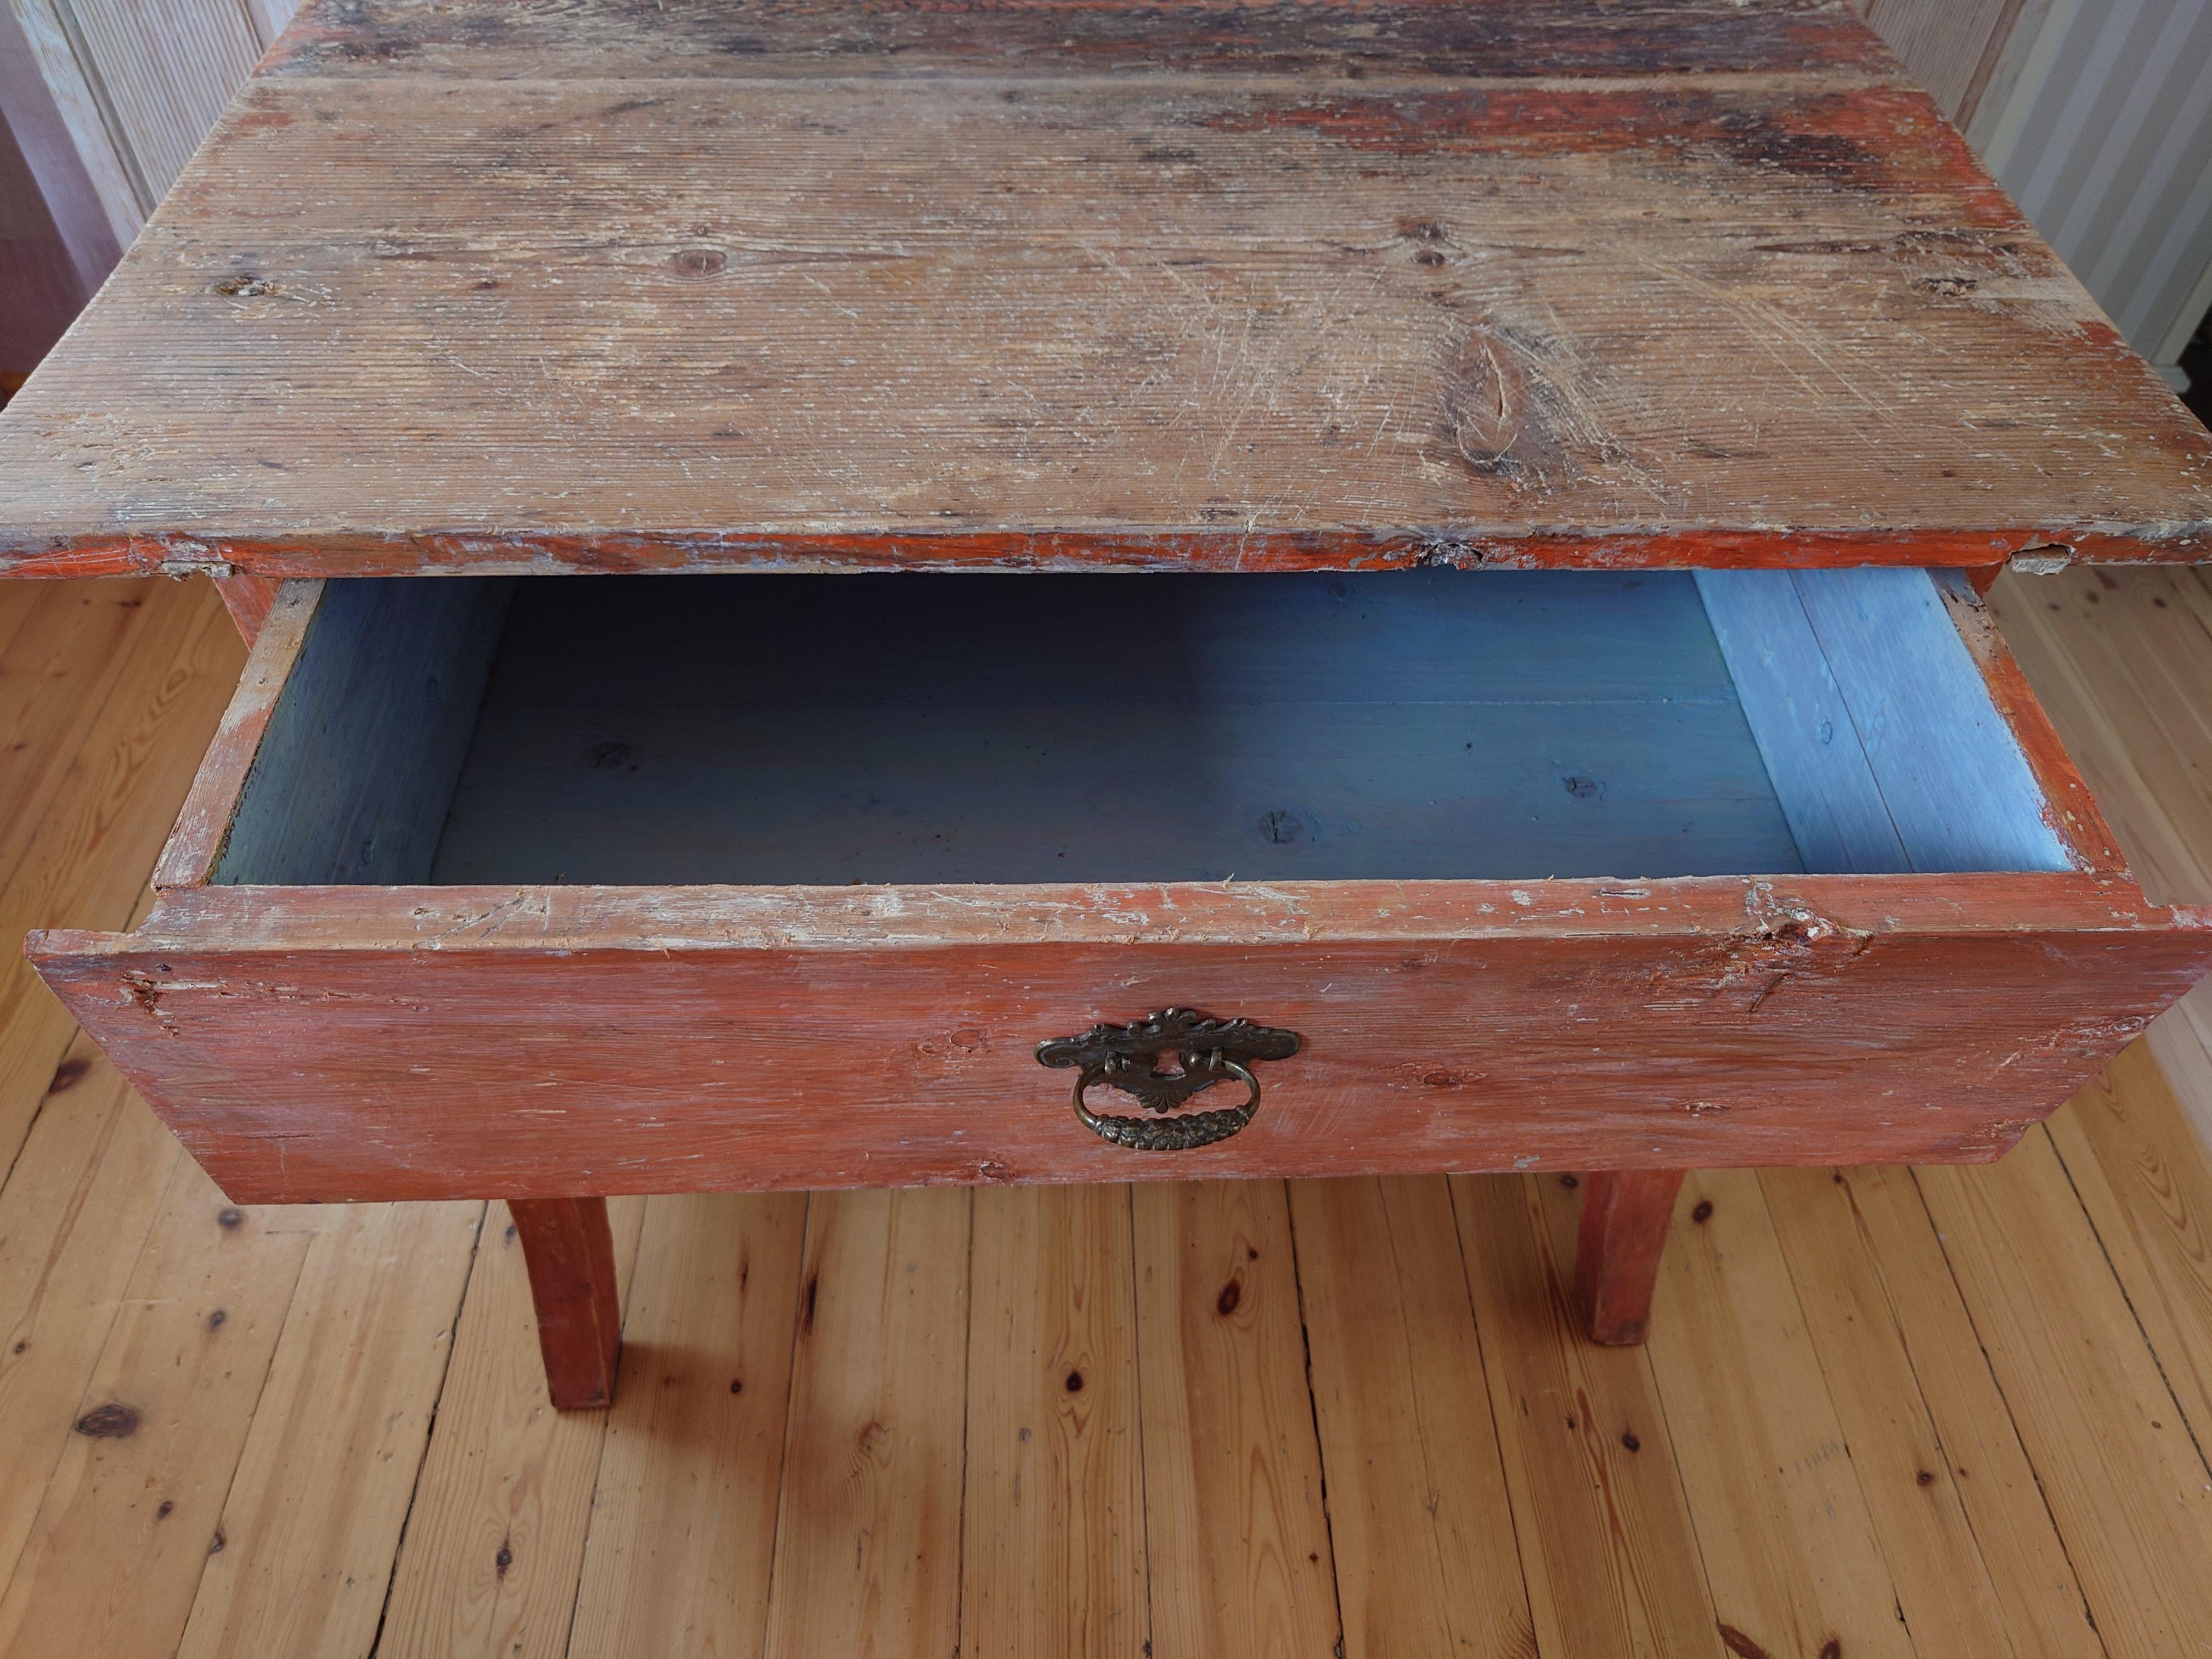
{"type": "Point", "coordinates": [1940, 1413]}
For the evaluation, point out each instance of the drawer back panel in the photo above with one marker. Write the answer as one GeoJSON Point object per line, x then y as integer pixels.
{"type": "Point", "coordinates": [830, 730]}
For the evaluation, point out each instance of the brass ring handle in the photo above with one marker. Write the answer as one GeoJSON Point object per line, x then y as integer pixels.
{"type": "Point", "coordinates": [1169, 1134]}
{"type": "Point", "coordinates": [1128, 1057]}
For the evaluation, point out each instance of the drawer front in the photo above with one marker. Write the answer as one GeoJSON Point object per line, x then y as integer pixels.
{"type": "Point", "coordinates": [324, 1043]}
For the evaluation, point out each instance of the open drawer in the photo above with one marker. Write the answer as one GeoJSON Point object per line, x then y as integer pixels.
{"type": "Point", "coordinates": [659, 885]}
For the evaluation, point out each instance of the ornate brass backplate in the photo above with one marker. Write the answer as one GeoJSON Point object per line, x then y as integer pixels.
{"type": "Point", "coordinates": [1207, 1052]}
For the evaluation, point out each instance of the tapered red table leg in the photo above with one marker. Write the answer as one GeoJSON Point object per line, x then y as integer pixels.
{"type": "Point", "coordinates": [1624, 1229]}
{"type": "Point", "coordinates": [570, 1253]}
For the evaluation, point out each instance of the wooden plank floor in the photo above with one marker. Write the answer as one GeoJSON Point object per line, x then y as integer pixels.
{"type": "Point", "coordinates": [1955, 1412]}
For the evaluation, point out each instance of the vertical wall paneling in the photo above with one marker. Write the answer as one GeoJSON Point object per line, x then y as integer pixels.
{"type": "Point", "coordinates": [39, 278]}
{"type": "Point", "coordinates": [164, 70]}
{"type": "Point", "coordinates": [108, 99]}
{"type": "Point", "coordinates": [41, 56]}
{"type": "Point", "coordinates": [2105, 138]}
{"type": "Point", "coordinates": [1952, 47]}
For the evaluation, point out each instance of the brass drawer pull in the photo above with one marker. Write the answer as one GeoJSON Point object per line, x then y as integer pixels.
{"type": "Point", "coordinates": [1207, 1051]}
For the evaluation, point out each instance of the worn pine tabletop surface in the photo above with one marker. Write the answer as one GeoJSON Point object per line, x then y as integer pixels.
{"type": "Point", "coordinates": [537, 284]}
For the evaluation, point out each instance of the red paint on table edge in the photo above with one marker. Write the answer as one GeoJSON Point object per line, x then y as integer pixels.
{"type": "Point", "coordinates": [526, 552]}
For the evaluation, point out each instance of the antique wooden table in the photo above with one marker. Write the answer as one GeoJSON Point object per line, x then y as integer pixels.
{"type": "Point", "coordinates": [1466, 512]}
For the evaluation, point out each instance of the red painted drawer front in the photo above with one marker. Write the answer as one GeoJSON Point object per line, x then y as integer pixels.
{"type": "Point", "coordinates": [327, 1043]}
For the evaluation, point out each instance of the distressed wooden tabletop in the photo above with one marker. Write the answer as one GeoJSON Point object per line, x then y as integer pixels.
{"type": "Point", "coordinates": [691, 284]}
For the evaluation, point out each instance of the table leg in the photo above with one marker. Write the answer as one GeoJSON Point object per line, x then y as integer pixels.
{"type": "Point", "coordinates": [570, 1253]}
{"type": "Point", "coordinates": [1624, 1229]}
